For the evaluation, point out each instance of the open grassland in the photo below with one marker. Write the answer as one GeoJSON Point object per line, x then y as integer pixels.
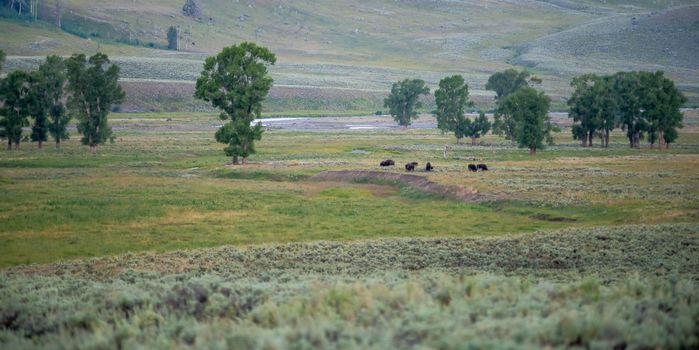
{"type": "Point", "coordinates": [163, 185]}
{"type": "Point", "coordinates": [621, 287]}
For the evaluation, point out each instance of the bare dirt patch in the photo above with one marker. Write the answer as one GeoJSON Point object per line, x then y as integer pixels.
{"type": "Point", "coordinates": [420, 183]}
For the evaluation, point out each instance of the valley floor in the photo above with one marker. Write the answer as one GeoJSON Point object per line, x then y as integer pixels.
{"type": "Point", "coordinates": [156, 242]}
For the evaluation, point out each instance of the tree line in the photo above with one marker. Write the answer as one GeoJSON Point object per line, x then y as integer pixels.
{"type": "Point", "coordinates": [641, 103]}
{"type": "Point", "coordinates": [521, 113]}
{"type": "Point", "coordinates": [80, 87]}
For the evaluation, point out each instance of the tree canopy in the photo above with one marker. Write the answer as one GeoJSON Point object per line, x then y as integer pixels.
{"type": "Point", "coordinates": [172, 38]}
{"type": "Point", "coordinates": [404, 100]}
{"type": "Point", "coordinates": [451, 98]}
{"type": "Point", "coordinates": [504, 84]}
{"type": "Point", "coordinates": [476, 128]}
{"type": "Point", "coordinates": [529, 109]}
{"type": "Point", "coordinates": [660, 104]}
{"type": "Point", "coordinates": [93, 90]}
{"type": "Point", "coordinates": [236, 81]}
{"type": "Point", "coordinates": [507, 82]}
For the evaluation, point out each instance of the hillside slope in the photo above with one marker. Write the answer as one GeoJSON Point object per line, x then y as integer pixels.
{"type": "Point", "coordinates": [360, 45]}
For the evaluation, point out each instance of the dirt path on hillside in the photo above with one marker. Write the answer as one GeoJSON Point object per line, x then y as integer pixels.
{"type": "Point", "coordinates": [421, 183]}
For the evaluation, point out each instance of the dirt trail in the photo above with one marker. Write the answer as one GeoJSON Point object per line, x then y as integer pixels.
{"type": "Point", "coordinates": [464, 194]}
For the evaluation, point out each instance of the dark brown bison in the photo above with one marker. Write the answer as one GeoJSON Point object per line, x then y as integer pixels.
{"type": "Point", "coordinates": [482, 167]}
{"type": "Point", "coordinates": [429, 167]}
{"type": "Point", "coordinates": [472, 167]}
{"type": "Point", "coordinates": [388, 162]}
{"type": "Point", "coordinates": [409, 167]}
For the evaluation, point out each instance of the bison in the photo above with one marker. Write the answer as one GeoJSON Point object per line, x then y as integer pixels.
{"type": "Point", "coordinates": [409, 167]}
{"type": "Point", "coordinates": [482, 167]}
{"type": "Point", "coordinates": [388, 162]}
{"type": "Point", "coordinates": [472, 167]}
{"type": "Point", "coordinates": [429, 167]}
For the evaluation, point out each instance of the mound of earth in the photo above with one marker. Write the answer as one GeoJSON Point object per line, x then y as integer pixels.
{"type": "Point", "coordinates": [420, 183]}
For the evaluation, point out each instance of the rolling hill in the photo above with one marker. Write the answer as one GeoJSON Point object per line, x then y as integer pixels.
{"type": "Point", "coordinates": [355, 49]}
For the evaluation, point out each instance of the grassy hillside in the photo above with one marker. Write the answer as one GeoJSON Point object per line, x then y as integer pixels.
{"type": "Point", "coordinates": [367, 46]}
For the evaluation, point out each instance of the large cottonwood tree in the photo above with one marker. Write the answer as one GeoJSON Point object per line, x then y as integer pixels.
{"type": "Point", "coordinates": [404, 100]}
{"type": "Point", "coordinates": [236, 81]}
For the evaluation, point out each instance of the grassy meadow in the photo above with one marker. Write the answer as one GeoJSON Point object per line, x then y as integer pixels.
{"type": "Point", "coordinates": [165, 185]}
{"type": "Point", "coordinates": [155, 242]}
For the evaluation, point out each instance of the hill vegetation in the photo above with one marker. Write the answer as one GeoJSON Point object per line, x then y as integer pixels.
{"type": "Point", "coordinates": [357, 46]}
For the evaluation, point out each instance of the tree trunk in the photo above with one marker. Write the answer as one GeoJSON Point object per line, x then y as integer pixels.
{"type": "Point", "coordinates": [590, 136]}
{"type": "Point", "coordinates": [584, 141]}
{"type": "Point", "coordinates": [16, 146]}
{"type": "Point", "coordinates": [57, 13]}
{"type": "Point", "coordinates": [93, 149]}
{"type": "Point", "coordinates": [473, 141]}
{"type": "Point", "coordinates": [606, 138]}
{"type": "Point", "coordinates": [234, 161]}
{"type": "Point", "coordinates": [661, 140]}
{"type": "Point", "coordinates": [58, 143]}
{"type": "Point", "coordinates": [9, 144]}
{"type": "Point", "coordinates": [41, 144]}
{"type": "Point", "coordinates": [532, 151]}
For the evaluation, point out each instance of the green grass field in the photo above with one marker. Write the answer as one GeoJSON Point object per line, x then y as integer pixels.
{"type": "Point", "coordinates": [162, 186]}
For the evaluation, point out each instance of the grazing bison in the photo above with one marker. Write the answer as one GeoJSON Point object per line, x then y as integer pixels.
{"type": "Point", "coordinates": [428, 167]}
{"type": "Point", "coordinates": [472, 167]}
{"type": "Point", "coordinates": [409, 167]}
{"type": "Point", "coordinates": [388, 162]}
{"type": "Point", "coordinates": [482, 167]}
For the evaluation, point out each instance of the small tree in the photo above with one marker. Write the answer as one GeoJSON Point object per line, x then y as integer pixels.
{"type": "Point", "coordinates": [405, 99]}
{"type": "Point", "coordinates": [191, 8]}
{"type": "Point", "coordinates": [16, 98]}
{"type": "Point", "coordinates": [236, 82]}
{"type": "Point", "coordinates": [172, 39]}
{"type": "Point", "coordinates": [476, 128]}
{"type": "Point", "coordinates": [451, 99]}
{"type": "Point", "coordinates": [93, 90]}
{"type": "Point", "coordinates": [529, 109]}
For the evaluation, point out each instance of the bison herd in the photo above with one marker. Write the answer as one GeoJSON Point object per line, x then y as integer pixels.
{"type": "Point", "coordinates": [428, 167]}
{"type": "Point", "coordinates": [474, 167]}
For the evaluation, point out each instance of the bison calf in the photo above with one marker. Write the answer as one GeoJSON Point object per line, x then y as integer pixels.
{"type": "Point", "coordinates": [388, 162]}
{"type": "Point", "coordinates": [409, 167]}
{"type": "Point", "coordinates": [429, 167]}
{"type": "Point", "coordinates": [472, 167]}
{"type": "Point", "coordinates": [482, 167]}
